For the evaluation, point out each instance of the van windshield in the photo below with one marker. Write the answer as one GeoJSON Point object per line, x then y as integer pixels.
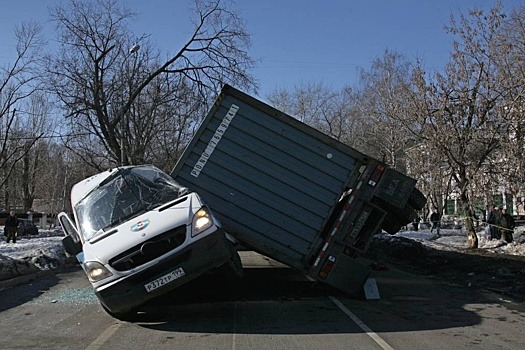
{"type": "Point", "coordinates": [127, 193]}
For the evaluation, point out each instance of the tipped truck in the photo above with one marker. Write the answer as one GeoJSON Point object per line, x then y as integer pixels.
{"type": "Point", "coordinates": [293, 193]}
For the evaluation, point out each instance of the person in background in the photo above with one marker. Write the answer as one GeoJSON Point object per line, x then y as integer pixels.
{"type": "Point", "coordinates": [493, 220]}
{"type": "Point", "coordinates": [415, 223]}
{"type": "Point", "coordinates": [434, 220]}
{"type": "Point", "coordinates": [506, 226]}
{"type": "Point", "coordinates": [11, 227]}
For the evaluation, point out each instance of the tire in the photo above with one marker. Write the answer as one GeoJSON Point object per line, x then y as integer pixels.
{"type": "Point", "coordinates": [417, 199]}
{"type": "Point", "coordinates": [396, 217]}
{"type": "Point", "coordinates": [232, 270]}
{"type": "Point", "coordinates": [128, 316]}
{"type": "Point", "coordinates": [408, 214]}
{"type": "Point", "coordinates": [391, 225]}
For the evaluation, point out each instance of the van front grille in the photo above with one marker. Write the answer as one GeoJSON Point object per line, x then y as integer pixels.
{"type": "Point", "coordinates": [149, 250]}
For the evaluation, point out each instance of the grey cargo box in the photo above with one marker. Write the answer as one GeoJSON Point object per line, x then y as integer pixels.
{"type": "Point", "coordinates": [269, 177]}
{"type": "Point", "coordinates": [276, 183]}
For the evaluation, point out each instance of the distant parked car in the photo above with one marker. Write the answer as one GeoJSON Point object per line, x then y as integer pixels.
{"type": "Point", "coordinates": [26, 227]}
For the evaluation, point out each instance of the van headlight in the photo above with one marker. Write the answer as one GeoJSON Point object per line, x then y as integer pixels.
{"type": "Point", "coordinates": [201, 221]}
{"type": "Point", "coordinates": [96, 271]}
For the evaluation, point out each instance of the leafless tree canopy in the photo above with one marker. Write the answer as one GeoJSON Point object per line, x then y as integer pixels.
{"type": "Point", "coordinates": [128, 105]}
{"type": "Point", "coordinates": [460, 130]}
{"type": "Point", "coordinates": [124, 101]}
{"type": "Point", "coordinates": [19, 131]}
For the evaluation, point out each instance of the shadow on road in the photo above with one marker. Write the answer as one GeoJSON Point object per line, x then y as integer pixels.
{"type": "Point", "coordinates": [23, 293]}
{"type": "Point", "coordinates": [475, 268]}
{"type": "Point", "coordinates": [282, 301]}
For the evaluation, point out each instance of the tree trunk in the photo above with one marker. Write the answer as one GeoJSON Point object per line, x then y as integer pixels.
{"type": "Point", "coordinates": [26, 200]}
{"type": "Point", "coordinates": [472, 238]}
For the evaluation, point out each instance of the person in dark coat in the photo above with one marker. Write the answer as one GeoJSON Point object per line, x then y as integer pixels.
{"type": "Point", "coordinates": [493, 220]}
{"type": "Point", "coordinates": [11, 227]}
{"type": "Point", "coordinates": [506, 226]}
{"type": "Point", "coordinates": [434, 220]}
{"type": "Point", "coordinates": [415, 223]}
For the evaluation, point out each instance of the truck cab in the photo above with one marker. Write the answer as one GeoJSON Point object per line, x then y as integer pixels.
{"type": "Point", "coordinates": [138, 234]}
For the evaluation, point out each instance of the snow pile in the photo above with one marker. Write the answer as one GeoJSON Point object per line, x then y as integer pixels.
{"type": "Point", "coordinates": [31, 254]}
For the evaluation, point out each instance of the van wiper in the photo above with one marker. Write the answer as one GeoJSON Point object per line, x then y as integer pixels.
{"type": "Point", "coordinates": [103, 235]}
{"type": "Point", "coordinates": [109, 179]}
{"type": "Point", "coordinates": [118, 172]}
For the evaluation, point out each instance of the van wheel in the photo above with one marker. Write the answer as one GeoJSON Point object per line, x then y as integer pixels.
{"type": "Point", "coordinates": [128, 316]}
{"type": "Point", "coordinates": [233, 270]}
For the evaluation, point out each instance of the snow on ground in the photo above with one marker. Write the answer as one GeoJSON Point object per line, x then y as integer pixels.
{"type": "Point", "coordinates": [455, 239]}
{"type": "Point", "coordinates": [44, 252]}
{"type": "Point", "coordinates": [31, 253]}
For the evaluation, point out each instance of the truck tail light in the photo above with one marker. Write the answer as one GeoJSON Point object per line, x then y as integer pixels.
{"type": "Point", "coordinates": [327, 267]}
{"type": "Point", "coordinates": [376, 175]}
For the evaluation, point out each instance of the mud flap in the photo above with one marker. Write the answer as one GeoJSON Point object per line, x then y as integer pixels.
{"type": "Point", "coordinates": [370, 289]}
{"type": "Point", "coordinates": [345, 273]}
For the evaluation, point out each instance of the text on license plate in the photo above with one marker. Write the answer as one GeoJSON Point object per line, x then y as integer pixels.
{"type": "Point", "coordinates": [159, 282]}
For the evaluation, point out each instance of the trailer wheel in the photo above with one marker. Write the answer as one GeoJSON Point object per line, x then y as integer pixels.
{"type": "Point", "coordinates": [391, 225]}
{"type": "Point", "coordinates": [408, 214]}
{"type": "Point", "coordinates": [417, 199]}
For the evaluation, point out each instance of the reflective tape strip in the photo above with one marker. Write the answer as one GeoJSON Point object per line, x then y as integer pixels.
{"type": "Point", "coordinates": [221, 129]}
{"type": "Point", "coordinates": [337, 224]}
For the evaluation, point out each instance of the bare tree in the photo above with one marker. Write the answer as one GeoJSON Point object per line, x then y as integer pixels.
{"type": "Point", "coordinates": [119, 99]}
{"type": "Point", "coordinates": [59, 170]}
{"type": "Point", "coordinates": [306, 102]}
{"type": "Point", "coordinates": [508, 54]}
{"type": "Point", "coordinates": [343, 119]}
{"type": "Point", "coordinates": [334, 113]}
{"type": "Point", "coordinates": [386, 88]}
{"type": "Point", "coordinates": [458, 112]}
{"type": "Point", "coordinates": [18, 82]}
{"type": "Point", "coordinates": [38, 122]}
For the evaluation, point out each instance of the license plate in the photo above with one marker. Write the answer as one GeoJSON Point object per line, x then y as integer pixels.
{"type": "Point", "coordinates": [159, 282]}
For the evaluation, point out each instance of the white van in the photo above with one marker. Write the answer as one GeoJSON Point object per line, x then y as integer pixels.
{"type": "Point", "coordinates": [138, 234]}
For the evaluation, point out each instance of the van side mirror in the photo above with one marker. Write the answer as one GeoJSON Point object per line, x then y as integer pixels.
{"type": "Point", "coordinates": [67, 225]}
{"type": "Point", "coordinates": [71, 246]}
{"type": "Point", "coordinates": [72, 242]}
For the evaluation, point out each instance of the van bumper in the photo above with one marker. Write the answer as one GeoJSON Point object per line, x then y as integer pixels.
{"type": "Point", "coordinates": [198, 258]}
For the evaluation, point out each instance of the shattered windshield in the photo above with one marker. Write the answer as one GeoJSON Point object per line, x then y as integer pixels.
{"type": "Point", "coordinates": [127, 193]}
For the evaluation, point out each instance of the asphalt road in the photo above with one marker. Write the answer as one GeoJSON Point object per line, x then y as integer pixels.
{"type": "Point", "coordinates": [273, 308]}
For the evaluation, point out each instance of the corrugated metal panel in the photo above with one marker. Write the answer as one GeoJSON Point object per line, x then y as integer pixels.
{"type": "Point", "coordinates": [268, 177]}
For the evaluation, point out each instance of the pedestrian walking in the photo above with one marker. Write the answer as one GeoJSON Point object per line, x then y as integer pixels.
{"type": "Point", "coordinates": [11, 227]}
{"type": "Point", "coordinates": [415, 223]}
{"type": "Point", "coordinates": [434, 221]}
{"type": "Point", "coordinates": [506, 226]}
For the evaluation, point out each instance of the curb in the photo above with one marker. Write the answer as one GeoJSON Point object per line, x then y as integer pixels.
{"type": "Point", "coordinates": [16, 281]}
